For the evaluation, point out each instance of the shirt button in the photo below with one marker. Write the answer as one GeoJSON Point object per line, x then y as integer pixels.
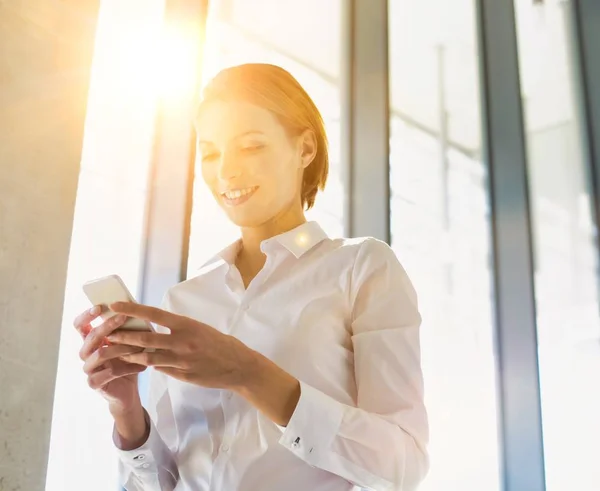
{"type": "Point", "coordinates": [145, 466]}
{"type": "Point", "coordinates": [139, 457]}
{"type": "Point", "coordinates": [225, 448]}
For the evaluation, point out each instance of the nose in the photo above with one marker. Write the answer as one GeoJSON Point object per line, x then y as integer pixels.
{"type": "Point", "coordinates": [229, 167]}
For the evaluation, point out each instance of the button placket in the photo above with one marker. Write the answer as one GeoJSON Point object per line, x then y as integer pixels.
{"type": "Point", "coordinates": [230, 416]}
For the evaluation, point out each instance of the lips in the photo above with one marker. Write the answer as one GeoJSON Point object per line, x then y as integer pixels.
{"type": "Point", "coordinates": [234, 197]}
{"type": "Point", "coordinates": [237, 193]}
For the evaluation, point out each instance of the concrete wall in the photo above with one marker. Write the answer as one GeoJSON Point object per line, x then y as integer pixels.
{"type": "Point", "coordinates": [45, 57]}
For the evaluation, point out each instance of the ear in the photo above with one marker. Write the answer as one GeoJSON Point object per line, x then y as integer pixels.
{"type": "Point", "coordinates": [308, 148]}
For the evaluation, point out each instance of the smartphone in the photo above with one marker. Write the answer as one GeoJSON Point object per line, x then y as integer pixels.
{"type": "Point", "coordinates": [109, 289]}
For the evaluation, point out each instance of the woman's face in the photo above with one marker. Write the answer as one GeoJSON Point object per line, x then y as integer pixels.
{"type": "Point", "coordinates": [250, 163]}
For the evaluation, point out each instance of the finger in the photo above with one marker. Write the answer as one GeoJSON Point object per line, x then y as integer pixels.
{"type": "Point", "coordinates": [147, 313]}
{"type": "Point", "coordinates": [106, 353]}
{"type": "Point", "coordinates": [153, 359]}
{"type": "Point", "coordinates": [114, 370]}
{"type": "Point", "coordinates": [83, 320]}
{"type": "Point", "coordinates": [142, 339]}
{"type": "Point", "coordinates": [95, 338]}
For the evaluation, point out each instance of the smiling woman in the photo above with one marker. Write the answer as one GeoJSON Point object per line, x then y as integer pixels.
{"type": "Point", "coordinates": [240, 32]}
{"type": "Point", "coordinates": [264, 113]}
{"type": "Point", "coordinates": [246, 394]}
{"type": "Point", "coordinates": [260, 149]}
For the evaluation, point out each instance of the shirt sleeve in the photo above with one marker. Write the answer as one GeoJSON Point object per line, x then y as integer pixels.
{"type": "Point", "coordinates": [381, 443]}
{"type": "Point", "coordinates": [152, 466]}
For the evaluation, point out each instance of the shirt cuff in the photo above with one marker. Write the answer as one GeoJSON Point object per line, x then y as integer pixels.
{"type": "Point", "coordinates": [150, 460]}
{"type": "Point", "coordinates": [313, 426]}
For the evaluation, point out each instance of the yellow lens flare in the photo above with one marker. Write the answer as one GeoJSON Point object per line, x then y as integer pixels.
{"type": "Point", "coordinates": [177, 54]}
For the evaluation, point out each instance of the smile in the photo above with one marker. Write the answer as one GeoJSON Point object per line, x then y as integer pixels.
{"type": "Point", "coordinates": [236, 197]}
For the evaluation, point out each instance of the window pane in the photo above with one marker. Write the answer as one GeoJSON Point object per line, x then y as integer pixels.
{"type": "Point", "coordinates": [440, 228]}
{"type": "Point", "coordinates": [566, 263]}
{"type": "Point", "coordinates": [238, 32]}
{"type": "Point", "coordinates": [108, 229]}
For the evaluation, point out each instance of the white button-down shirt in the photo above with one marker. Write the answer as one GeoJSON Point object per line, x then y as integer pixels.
{"type": "Point", "coordinates": [341, 316]}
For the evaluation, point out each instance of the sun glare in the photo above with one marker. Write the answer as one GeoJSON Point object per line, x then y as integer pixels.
{"type": "Point", "coordinates": [176, 55]}
{"type": "Point", "coordinates": [150, 60]}
{"type": "Point", "coordinates": [141, 63]}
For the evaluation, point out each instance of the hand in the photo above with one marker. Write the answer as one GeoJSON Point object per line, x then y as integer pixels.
{"type": "Point", "coordinates": [193, 352]}
{"type": "Point", "coordinates": [115, 379]}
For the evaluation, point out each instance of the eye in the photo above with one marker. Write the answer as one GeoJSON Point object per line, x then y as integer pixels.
{"type": "Point", "coordinates": [252, 148]}
{"type": "Point", "coordinates": [209, 156]}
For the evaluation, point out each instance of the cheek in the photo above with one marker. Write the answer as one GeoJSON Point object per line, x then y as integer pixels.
{"type": "Point", "coordinates": [279, 182]}
{"type": "Point", "coordinates": [278, 167]}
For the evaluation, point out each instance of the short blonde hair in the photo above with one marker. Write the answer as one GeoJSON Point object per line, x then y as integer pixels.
{"type": "Point", "coordinates": [273, 88]}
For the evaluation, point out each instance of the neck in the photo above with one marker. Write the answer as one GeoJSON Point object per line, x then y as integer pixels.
{"type": "Point", "coordinates": [253, 236]}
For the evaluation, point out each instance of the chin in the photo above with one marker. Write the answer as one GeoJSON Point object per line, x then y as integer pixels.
{"type": "Point", "coordinates": [248, 220]}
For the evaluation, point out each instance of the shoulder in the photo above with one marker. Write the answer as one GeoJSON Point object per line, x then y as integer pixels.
{"type": "Point", "coordinates": [381, 293]}
{"type": "Point", "coordinates": [359, 247]}
{"type": "Point", "coordinates": [374, 250]}
{"type": "Point", "coordinates": [378, 271]}
{"type": "Point", "coordinates": [362, 257]}
{"type": "Point", "coordinates": [367, 252]}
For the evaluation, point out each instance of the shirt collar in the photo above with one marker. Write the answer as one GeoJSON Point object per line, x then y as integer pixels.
{"type": "Point", "coordinates": [298, 241]}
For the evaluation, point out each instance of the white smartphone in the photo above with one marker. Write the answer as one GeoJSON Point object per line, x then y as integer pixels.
{"type": "Point", "coordinates": [109, 289]}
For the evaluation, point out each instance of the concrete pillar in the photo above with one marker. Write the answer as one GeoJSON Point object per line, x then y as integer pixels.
{"type": "Point", "coordinates": [45, 57]}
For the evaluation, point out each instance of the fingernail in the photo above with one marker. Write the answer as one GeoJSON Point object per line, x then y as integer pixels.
{"type": "Point", "coordinates": [119, 319]}
{"type": "Point", "coordinates": [112, 338]}
{"type": "Point", "coordinates": [95, 310]}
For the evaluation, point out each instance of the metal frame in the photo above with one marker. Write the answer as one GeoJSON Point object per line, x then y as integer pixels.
{"type": "Point", "coordinates": [516, 334]}
{"type": "Point", "coordinates": [171, 181]}
{"type": "Point", "coordinates": [586, 30]}
{"type": "Point", "coordinates": [165, 247]}
{"type": "Point", "coordinates": [365, 118]}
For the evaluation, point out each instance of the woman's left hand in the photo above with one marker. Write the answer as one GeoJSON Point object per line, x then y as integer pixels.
{"type": "Point", "coordinates": [193, 352]}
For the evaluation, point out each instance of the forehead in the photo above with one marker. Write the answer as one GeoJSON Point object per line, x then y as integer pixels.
{"type": "Point", "coordinates": [222, 120]}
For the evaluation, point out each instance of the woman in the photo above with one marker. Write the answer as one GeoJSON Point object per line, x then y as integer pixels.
{"type": "Point", "coordinates": [291, 361]}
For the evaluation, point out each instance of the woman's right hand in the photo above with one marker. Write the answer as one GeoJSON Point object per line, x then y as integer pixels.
{"type": "Point", "coordinates": [114, 379]}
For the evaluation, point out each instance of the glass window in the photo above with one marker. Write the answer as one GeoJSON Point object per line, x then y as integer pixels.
{"type": "Point", "coordinates": [278, 32]}
{"type": "Point", "coordinates": [108, 228]}
{"type": "Point", "coordinates": [440, 225]}
{"type": "Point", "coordinates": [566, 266]}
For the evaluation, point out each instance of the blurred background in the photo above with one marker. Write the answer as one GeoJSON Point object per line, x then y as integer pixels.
{"type": "Point", "coordinates": [465, 133]}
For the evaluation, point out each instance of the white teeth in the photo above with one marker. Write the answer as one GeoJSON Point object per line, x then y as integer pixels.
{"type": "Point", "coordinates": [236, 193]}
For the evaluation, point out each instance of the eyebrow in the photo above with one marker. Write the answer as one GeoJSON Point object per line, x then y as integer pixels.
{"type": "Point", "coordinates": [235, 137]}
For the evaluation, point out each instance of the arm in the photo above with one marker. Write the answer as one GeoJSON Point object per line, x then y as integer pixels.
{"type": "Point", "coordinates": [132, 428]}
{"type": "Point", "coordinates": [146, 441]}
{"type": "Point", "coordinates": [381, 443]}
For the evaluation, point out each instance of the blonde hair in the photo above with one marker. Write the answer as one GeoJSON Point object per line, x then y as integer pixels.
{"type": "Point", "coordinates": [276, 90]}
